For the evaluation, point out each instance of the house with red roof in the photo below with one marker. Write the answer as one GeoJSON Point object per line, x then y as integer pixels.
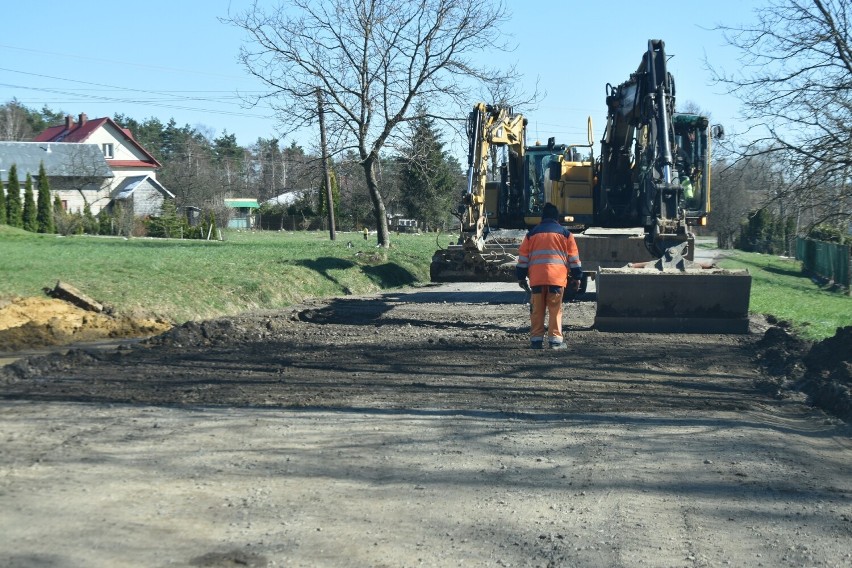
{"type": "Point", "coordinates": [134, 182]}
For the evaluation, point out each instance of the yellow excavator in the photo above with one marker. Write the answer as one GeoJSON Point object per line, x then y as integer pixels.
{"type": "Point", "coordinates": [631, 210]}
{"type": "Point", "coordinates": [482, 253]}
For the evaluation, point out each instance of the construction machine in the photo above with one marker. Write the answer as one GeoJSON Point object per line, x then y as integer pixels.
{"type": "Point", "coordinates": [631, 210]}
{"type": "Point", "coordinates": [500, 203]}
{"type": "Point", "coordinates": [480, 254]}
{"type": "Point", "coordinates": [654, 174]}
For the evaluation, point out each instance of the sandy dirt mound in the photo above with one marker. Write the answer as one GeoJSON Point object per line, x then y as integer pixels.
{"type": "Point", "coordinates": [27, 323]}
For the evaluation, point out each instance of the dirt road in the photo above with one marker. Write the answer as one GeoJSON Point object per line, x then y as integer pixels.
{"type": "Point", "coordinates": [415, 429]}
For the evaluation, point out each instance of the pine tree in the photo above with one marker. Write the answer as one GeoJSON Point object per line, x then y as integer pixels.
{"type": "Point", "coordinates": [429, 187]}
{"type": "Point", "coordinates": [44, 215]}
{"type": "Point", "coordinates": [58, 214]}
{"type": "Point", "coordinates": [2, 203]}
{"type": "Point", "coordinates": [14, 214]}
{"type": "Point", "coordinates": [30, 223]}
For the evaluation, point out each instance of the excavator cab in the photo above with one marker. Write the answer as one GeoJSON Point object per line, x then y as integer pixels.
{"type": "Point", "coordinates": [692, 165]}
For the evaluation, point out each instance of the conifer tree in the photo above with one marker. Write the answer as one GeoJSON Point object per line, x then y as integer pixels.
{"type": "Point", "coordinates": [14, 216]}
{"type": "Point", "coordinates": [90, 224]}
{"type": "Point", "coordinates": [2, 204]}
{"type": "Point", "coordinates": [58, 213]}
{"type": "Point", "coordinates": [429, 178]}
{"type": "Point", "coordinates": [44, 215]}
{"type": "Point", "coordinates": [29, 217]}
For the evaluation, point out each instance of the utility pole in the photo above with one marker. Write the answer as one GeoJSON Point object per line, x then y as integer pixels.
{"type": "Point", "coordinates": [329, 198]}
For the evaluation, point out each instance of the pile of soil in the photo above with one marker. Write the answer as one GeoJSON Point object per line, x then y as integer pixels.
{"type": "Point", "coordinates": [27, 323]}
{"type": "Point", "coordinates": [822, 370]}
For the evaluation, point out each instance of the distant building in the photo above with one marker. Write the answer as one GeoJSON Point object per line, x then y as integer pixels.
{"type": "Point", "coordinates": [290, 197]}
{"type": "Point", "coordinates": [133, 182]}
{"type": "Point", "coordinates": [142, 194]}
{"type": "Point", "coordinates": [242, 215]}
{"type": "Point", "coordinates": [73, 170]}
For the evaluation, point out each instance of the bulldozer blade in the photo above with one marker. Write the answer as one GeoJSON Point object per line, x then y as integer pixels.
{"type": "Point", "coordinates": [693, 301]}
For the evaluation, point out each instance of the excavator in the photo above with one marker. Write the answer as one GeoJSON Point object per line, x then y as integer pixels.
{"type": "Point", "coordinates": [497, 208]}
{"type": "Point", "coordinates": [482, 254]}
{"type": "Point", "coordinates": [631, 210]}
{"type": "Point", "coordinates": [654, 174]}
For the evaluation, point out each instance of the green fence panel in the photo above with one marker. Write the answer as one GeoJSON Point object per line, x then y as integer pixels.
{"type": "Point", "coordinates": [828, 260]}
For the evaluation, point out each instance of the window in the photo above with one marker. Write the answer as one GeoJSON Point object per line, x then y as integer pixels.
{"type": "Point", "coordinates": [108, 151]}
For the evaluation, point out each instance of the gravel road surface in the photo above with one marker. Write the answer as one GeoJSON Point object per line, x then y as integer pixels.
{"type": "Point", "coordinates": [414, 428]}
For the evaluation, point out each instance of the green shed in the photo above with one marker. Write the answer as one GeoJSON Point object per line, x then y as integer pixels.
{"type": "Point", "coordinates": [242, 216]}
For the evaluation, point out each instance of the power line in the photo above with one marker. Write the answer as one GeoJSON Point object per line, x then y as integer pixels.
{"type": "Point", "coordinates": [101, 98]}
{"type": "Point", "coordinates": [115, 62]}
{"type": "Point", "coordinates": [110, 87]}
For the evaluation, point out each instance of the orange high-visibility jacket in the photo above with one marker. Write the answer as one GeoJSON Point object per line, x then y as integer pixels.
{"type": "Point", "coordinates": [547, 254]}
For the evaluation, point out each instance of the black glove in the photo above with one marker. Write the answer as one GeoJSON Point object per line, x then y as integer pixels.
{"type": "Point", "coordinates": [523, 284]}
{"type": "Point", "coordinates": [574, 285]}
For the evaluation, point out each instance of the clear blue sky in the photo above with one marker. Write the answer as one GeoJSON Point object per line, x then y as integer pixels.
{"type": "Point", "coordinates": [175, 59]}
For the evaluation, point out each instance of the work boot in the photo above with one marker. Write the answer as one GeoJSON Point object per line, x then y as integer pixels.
{"type": "Point", "coordinates": [560, 345]}
{"type": "Point", "coordinates": [536, 344]}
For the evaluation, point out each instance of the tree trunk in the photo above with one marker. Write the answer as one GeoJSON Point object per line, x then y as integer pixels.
{"type": "Point", "coordinates": [382, 233]}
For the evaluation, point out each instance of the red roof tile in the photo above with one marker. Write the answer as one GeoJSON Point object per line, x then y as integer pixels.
{"type": "Point", "coordinates": [49, 134]}
{"type": "Point", "coordinates": [128, 164]}
{"type": "Point", "coordinates": [81, 132]}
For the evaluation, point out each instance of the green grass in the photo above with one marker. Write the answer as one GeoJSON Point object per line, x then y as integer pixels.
{"type": "Point", "coordinates": [780, 289]}
{"type": "Point", "coordinates": [182, 280]}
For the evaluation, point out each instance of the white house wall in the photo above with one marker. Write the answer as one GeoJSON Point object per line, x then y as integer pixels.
{"type": "Point", "coordinates": [147, 200]}
{"type": "Point", "coordinates": [122, 173]}
{"type": "Point", "coordinates": [97, 197]}
{"type": "Point", "coordinates": [122, 150]}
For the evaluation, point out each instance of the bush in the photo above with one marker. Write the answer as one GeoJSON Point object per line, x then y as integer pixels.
{"type": "Point", "coordinates": [767, 233]}
{"type": "Point", "coordinates": [830, 234]}
{"type": "Point", "coordinates": [169, 224]}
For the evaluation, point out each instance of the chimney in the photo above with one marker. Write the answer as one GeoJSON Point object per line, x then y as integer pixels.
{"type": "Point", "coordinates": [83, 118]}
{"type": "Point", "coordinates": [69, 122]}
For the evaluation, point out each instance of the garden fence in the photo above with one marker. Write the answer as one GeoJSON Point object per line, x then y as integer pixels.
{"type": "Point", "coordinates": [826, 260]}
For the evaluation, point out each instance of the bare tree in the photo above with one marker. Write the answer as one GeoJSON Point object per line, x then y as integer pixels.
{"type": "Point", "coordinates": [372, 60]}
{"type": "Point", "coordinates": [13, 122]}
{"type": "Point", "coordinates": [507, 94]}
{"type": "Point", "coordinates": [191, 175]}
{"type": "Point", "coordinates": [85, 172]}
{"type": "Point", "coordinates": [739, 189]}
{"type": "Point", "coordinates": [354, 205]}
{"type": "Point", "coordinates": [796, 86]}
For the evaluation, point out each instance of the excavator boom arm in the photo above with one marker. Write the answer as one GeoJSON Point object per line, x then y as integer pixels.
{"type": "Point", "coordinates": [489, 126]}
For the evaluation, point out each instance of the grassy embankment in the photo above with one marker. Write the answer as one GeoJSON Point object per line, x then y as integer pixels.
{"type": "Point", "coordinates": [780, 289]}
{"type": "Point", "coordinates": [182, 280]}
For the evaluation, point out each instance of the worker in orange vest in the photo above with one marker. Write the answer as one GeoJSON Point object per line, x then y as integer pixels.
{"type": "Point", "coordinates": [547, 255]}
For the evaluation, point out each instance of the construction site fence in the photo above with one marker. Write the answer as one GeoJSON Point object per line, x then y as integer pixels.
{"type": "Point", "coordinates": [830, 261]}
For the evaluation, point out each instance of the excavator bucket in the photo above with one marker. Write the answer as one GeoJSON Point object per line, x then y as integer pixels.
{"type": "Point", "coordinates": [493, 261]}
{"type": "Point", "coordinates": [496, 263]}
{"type": "Point", "coordinates": [672, 297]}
